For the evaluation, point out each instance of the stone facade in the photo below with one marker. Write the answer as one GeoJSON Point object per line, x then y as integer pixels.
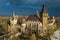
{"type": "Point", "coordinates": [38, 24]}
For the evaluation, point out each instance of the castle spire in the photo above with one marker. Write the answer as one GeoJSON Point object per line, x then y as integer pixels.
{"type": "Point", "coordinates": [44, 9]}
{"type": "Point", "coordinates": [13, 13]}
{"type": "Point", "coordinates": [37, 12]}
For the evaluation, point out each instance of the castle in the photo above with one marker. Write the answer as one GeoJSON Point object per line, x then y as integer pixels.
{"type": "Point", "coordinates": [27, 25]}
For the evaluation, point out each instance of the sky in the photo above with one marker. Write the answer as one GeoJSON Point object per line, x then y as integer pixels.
{"type": "Point", "coordinates": [28, 7]}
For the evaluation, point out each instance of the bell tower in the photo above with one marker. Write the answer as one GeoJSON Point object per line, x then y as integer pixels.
{"type": "Point", "coordinates": [44, 16]}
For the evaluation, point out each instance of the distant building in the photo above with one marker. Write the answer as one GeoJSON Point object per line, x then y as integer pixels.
{"type": "Point", "coordinates": [38, 23]}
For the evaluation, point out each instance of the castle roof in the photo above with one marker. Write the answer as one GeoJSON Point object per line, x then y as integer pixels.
{"type": "Point", "coordinates": [43, 9]}
{"type": "Point", "coordinates": [32, 18]}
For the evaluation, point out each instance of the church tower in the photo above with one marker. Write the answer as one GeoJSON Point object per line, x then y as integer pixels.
{"type": "Point", "coordinates": [44, 16]}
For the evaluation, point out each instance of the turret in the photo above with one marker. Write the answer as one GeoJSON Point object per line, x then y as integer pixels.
{"type": "Point", "coordinates": [37, 14]}
{"type": "Point", "coordinates": [44, 15]}
{"type": "Point", "coordinates": [53, 19]}
{"type": "Point", "coordinates": [13, 20]}
{"type": "Point", "coordinates": [13, 13]}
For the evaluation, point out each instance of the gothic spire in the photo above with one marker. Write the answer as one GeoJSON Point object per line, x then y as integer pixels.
{"type": "Point", "coordinates": [13, 13]}
{"type": "Point", "coordinates": [43, 9]}
{"type": "Point", "coordinates": [37, 12]}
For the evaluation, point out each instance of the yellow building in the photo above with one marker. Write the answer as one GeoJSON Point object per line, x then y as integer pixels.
{"type": "Point", "coordinates": [39, 24]}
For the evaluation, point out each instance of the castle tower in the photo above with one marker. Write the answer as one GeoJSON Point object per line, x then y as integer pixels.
{"type": "Point", "coordinates": [13, 20]}
{"type": "Point", "coordinates": [54, 23]}
{"type": "Point", "coordinates": [37, 14]}
{"type": "Point", "coordinates": [44, 16]}
{"type": "Point", "coordinates": [13, 13]}
{"type": "Point", "coordinates": [53, 19]}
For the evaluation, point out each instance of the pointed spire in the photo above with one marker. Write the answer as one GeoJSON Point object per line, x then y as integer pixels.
{"type": "Point", "coordinates": [13, 13]}
{"type": "Point", "coordinates": [44, 9]}
{"type": "Point", "coordinates": [53, 17]}
{"type": "Point", "coordinates": [37, 12]}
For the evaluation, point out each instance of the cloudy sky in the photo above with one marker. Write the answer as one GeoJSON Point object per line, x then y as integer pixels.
{"type": "Point", "coordinates": [28, 7]}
